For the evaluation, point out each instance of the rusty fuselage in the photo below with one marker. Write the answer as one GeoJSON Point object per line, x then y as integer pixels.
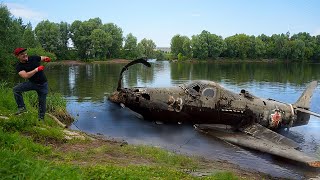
{"type": "Point", "coordinates": [207, 105]}
{"type": "Point", "coordinates": [208, 102]}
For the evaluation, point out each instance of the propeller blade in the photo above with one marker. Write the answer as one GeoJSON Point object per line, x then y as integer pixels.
{"type": "Point", "coordinates": [141, 60]}
{"type": "Point", "coordinates": [308, 112]}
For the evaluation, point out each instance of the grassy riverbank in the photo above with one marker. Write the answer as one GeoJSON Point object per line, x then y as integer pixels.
{"type": "Point", "coordinates": [30, 149]}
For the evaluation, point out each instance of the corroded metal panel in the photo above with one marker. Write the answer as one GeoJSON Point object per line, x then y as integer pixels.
{"type": "Point", "coordinates": [251, 119]}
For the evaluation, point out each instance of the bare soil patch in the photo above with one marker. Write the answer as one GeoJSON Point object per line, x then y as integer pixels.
{"type": "Point", "coordinates": [113, 61]}
{"type": "Point", "coordinates": [69, 62]}
{"type": "Point", "coordinates": [96, 151]}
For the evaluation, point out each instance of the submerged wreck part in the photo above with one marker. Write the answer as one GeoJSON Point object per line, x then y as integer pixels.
{"type": "Point", "coordinates": [260, 144]}
{"type": "Point", "coordinates": [260, 132]}
{"type": "Point", "coordinates": [202, 101]}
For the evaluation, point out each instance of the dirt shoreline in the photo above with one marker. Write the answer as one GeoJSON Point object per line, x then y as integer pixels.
{"type": "Point", "coordinates": [78, 62]}
{"type": "Point", "coordinates": [206, 166]}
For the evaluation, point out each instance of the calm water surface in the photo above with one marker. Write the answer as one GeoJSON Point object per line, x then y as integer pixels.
{"type": "Point", "coordinates": [86, 88]}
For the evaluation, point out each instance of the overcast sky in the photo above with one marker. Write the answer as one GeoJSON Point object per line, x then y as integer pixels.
{"type": "Point", "coordinates": [160, 20]}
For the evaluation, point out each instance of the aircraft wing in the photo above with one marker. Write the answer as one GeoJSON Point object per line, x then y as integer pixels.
{"type": "Point", "coordinates": [262, 139]}
{"type": "Point", "coordinates": [258, 131]}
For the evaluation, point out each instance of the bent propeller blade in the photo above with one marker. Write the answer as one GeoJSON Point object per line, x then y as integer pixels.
{"type": "Point", "coordinates": [141, 60]}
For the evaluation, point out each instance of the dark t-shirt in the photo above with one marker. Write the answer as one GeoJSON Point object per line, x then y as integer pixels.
{"type": "Point", "coordinates": [32, 63]}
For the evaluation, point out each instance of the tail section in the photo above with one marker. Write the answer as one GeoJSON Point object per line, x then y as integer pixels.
{"type": "Point", "coordinates": [305, 98]}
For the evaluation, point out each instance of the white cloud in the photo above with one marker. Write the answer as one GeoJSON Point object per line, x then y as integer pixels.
{"type": "Point", "coordinates": [24, 12]}
{"type": "Point", "coordinates": [195, 15]}
{"type": "Point", "coordinates": [316, 32]}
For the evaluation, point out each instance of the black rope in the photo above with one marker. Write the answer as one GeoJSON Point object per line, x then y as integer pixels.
{"type": "Point", "coordinates": [187, 141]}
{"type": "Point", "coordinates": [74, 123]}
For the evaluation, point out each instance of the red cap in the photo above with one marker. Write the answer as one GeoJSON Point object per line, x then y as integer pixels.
{"type": "Point", "coordinates": [17, 51]}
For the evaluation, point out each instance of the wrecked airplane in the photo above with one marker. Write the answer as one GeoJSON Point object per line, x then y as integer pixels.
{"type": "Point", "coordinates": [239, 118]}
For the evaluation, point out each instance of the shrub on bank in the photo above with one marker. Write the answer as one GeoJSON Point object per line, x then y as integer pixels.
{"type": "Point", "coordinates": [41, 52]}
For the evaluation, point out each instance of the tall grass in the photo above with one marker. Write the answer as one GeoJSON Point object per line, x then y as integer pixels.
{"type": "Point", "coordinates": [134, 172]}
{"type": "Point", "coordinates": [7, 104]}
{"type": "Point", "coordinates": [18, 159]}
{"type": "Point", "coordinates": [56, 104]}
{"type": "Point", "coordinates": [20, 154]}
{"type": "Point", "coordinates": [20, 165]}
{"type": "Point", "coordinates": [16, 142]}
{"type": "Point", "coordinates": [27, 123]}
{"type": "Point", "coordinates": [161, 156]}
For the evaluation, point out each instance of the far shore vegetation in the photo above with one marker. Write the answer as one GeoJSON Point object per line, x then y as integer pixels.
{"type": "Point", "coordinates": [93, 40]}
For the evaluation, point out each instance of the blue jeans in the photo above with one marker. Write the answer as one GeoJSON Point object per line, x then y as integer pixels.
{"type": "Point", "coordinates": [42, 90]}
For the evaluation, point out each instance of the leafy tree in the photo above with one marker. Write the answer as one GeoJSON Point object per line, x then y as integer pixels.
{"type": "Point", "coordinates": [232, 44]}
{"type": "Point", "coordinates": [207, 45]}
{"type": "Point", "coordinates": [180, 57]}
{"type": "Point", "coordinates": [316, 54]}
{"type": "Point", "coordinates": [141, 50]}
{"type": "Point", "coordinates": [186, 48]}
{"type": "Point", "coordinates": [117, 38]}
{"type": "Point", "coordinates": [5, 22]}
{"type": "Point", "coordinates": [279, 46]}
{"type": "Point", "coordinates": [11, 31]}
{"type": "Point", "coordinates": [130, 46]}
{"type": "Point", "coordinates": [75, 34]}
{"type": "Point", "coordinates": [16, 30]}
{"type": "Point", "coordinates": [41, 52]}
{"type": "Point", "coordinates": [244, 45]}
{"type": "Point", "coordinates": [159, 55]}
{"type": "Point", "coordinates": [181, 44]}
{"type": "Point", "coordinates": [257, 48]}
{"type": "Point", "coordinates": [48, 35]}
{"type": "Point", "coordinates": [309, 41]}
{"type": "Point", "coordinates": [29, 39]}
{"type": "Point", "coordinates": [199, 47]}
{"type": "Point", "coordinates": [148, 48]}
{"type": "Point", "coordinates": [64, 35]}
{"type": "Point", "coordinates": [176, 45]}
{"type": "Point", "coordinates": [268, 44]}
{"type": "Point", "coordinates": [101, 41]}
{"type": "Point", "coordinates": [298, 49]}
{"type": "Point", "coordinates": [80, 35]}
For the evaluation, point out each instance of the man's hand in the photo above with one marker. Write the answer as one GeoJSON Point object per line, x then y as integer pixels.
{"type": "Point", "coordinates": [46, 59]}
{"type": "Point", "coordinates": [40, 68]}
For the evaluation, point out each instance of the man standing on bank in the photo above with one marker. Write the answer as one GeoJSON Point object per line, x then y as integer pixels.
{"type": "Point", "coordinates": [30, 68]}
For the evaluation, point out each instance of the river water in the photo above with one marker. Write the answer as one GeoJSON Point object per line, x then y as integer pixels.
{"type": "Point", "coordinates": [86, 88]}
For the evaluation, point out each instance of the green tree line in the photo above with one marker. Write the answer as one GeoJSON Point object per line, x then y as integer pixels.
{"type": "Point", "coordinates": [93, 40]}
{"type": "Point", "coordinates": [298, 47]}
{"type": "Point", "coordinates": [83, 40]}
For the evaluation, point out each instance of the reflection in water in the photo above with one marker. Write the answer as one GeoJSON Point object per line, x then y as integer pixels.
{"type": "Point", "coordinates": [72, 77]}
{"type": "Point", "coordinates": [85, 87]}
{"type": "Point", "coordinates": [89, 72]}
